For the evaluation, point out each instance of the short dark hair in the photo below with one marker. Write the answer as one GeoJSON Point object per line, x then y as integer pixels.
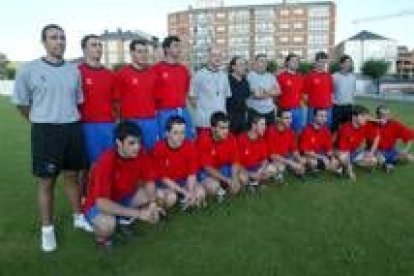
{"type": "Point", "coordinates": [344, 58]}
{"type": "Point", "coordinates": [260, 55]}
{"type": "Point", "coordinates": [316, 110]}
{"type": "Point", "coordinates": [127, 128]}
{"type": "Point", "coordinates": [359, 110]}
{"type": "Point", "coordinates": [233, 62]}
{"type": "Point", "coordinates": [174, 120]}
{"type": "Point", "coordinates": [169, 40]}
{"type": "Point", "coordinates": [136, 42]}
{"type": "Point", "coordinates": [254, 118]}
{"type": "Point", "coordinates": [85, 39]}
{"type": "Point", "coordinates": [281, 111]}
{"type": "Point", "coordinates": [218, 116]}
{"type": "Point", "coordinates": [321, 55]}
{"type": "Point", "coordinates": [49, 27]}
{"type": "Point", "coordinates": [289, 57]}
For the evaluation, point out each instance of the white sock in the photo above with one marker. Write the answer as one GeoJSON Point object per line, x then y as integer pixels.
{"type": "Point", "coordinates": [48, 228]}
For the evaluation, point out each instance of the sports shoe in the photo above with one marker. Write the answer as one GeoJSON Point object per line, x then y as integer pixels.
{"type": "Point", "coordinates": [48, 238]}
{"type": "Point", "coordinates": [80, 222]}
{"type": "Point", "coordinates": [279, 178]}
{"type": "Point", "coordinates": [388, 168]}
{"type": "Point", "coordinates": [221, 193]}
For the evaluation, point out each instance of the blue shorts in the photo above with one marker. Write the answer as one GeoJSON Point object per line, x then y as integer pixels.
{"type": "Point", "coordinates": [391, 156]}
{"type": "Point", "coordinates": [94, 211]}
{"type": "Point", "coordinates": [225, 170]}
{"type": "Point", "coordinates": [149, 128]}
{"type": "Point", "coordinates": [310, 116]}
{"type": "Point", "coordinates": [165, 114]}
{"type": "Point", "coordinates": [298, 119]}
{"type": "Point", "coordinates": [357, 155]}
{"type": "Point", "coordinates": [182, 183]}
{"type": "Point", "coordinates": [98, 138]}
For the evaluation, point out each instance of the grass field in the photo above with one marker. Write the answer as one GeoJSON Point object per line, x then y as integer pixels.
{"type": "Point", "coordinates": [321, 226]}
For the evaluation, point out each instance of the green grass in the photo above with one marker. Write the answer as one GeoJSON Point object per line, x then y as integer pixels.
{"type": "Point", "coordinates": [322, 226]}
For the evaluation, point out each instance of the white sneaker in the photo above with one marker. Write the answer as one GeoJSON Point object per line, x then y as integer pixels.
{"type": "Point", "coordinates": [80, 222]}
{"type": "Point", "coordinates": [221, 193]}
{"type": "Point", "coordinates": [48, 238]}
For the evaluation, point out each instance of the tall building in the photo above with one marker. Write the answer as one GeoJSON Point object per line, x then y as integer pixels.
{"type": "Point", "coordinates": [273, 29]}
{"type": "Point", "coordinates": [116, 46]}
{"type": "Point", "coordinates": [405, 62]}
{"type": "Point", "coordinates": [366, 45]}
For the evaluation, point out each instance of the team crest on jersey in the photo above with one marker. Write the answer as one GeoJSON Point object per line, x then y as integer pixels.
{"type": "Point", "coordinates": [89, 81]}
{"type": "Point", "coordinates": [288, 82]}
{"type": "Point", "coordinates": [134, 81]}
{"type": "Point", "coordinates": [165, 75]}
{"type": "Point", "coordinates": [313, 140]}
{"type": "Point", "coordinates": [167, 162]}
{"type": "Point", "coordinates": [316, 81]}
{"type": "Point", "coordinates": [213, 152]}
{"type": "Point", "coordinates": [246, 151]}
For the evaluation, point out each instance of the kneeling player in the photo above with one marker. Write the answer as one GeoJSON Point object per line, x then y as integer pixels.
{"type": "Point", "coordinates": [254, 154]}
{"type": "Point", "coordinates": [177, 163]}
{"type": "Point", "coordinates": [316, 143]}
{"type": "Point", "coordinates": [121, 185]}
{"type": "Point", "coordinates": [281, 141]}
{"type": "Point", "coordinates": [351, 143]}
{"type": "Point", "coordinates": [389, 131]}
{"type": "Point", "coordinates": [219, 157]}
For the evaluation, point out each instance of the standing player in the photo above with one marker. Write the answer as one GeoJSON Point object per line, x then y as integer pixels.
{"type": "Point", "coordinates": [264, 89]}
{"type": "Point", "coordinates": [390, 131]}
{"type": "Point", "coordinates": [219, 157]}
{"type": "Point", "coordinates": [344, 92]}
{"type": "Point", "coordinates": [98, 108]}
{"type": "Point", "coordinates": [121, 185]}
{"type": "Point", "coordinates": [240, 91]}
{"type": "Point", "coordinates": [316, 143]}
{"type": "Point", "coordinates": [319, 88]}
{"type": "Point", "coordinates": [172, 86]}
{"type": "Point", "coordinates": [291, 86]}
{"type": "Point", "coordinates": [282, 145]}
{"type": "Point", "coordinates": [209, 90]}
{"type": "Point", "coordinates": [176, 162]}
{"type": "Point", "coordinates": [254, 153]}
{"type": "Point", "coordinates": [47, 93]}
{"type": "Point", "coordinates": [351, 140]}
{"type": "Point", "coordinates": [135, 87]}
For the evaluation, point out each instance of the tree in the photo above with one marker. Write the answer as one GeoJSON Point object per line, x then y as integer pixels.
{"type": "Point", "coordinates": [305, 67]}
{"type": "Point", "coordinates": [271, 66]}
{"type": "Point", "coordinates": [334, 67]}
{"type": "Point", "coordinates": [4, 62]}
{"type": "Point", "coordinates": [117, 66]}
{"type": "Point", "coordinates": [375, 69]}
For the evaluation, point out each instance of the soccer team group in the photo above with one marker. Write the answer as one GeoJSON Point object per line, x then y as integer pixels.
{"type": "Point", "coordinates": [129, 138]}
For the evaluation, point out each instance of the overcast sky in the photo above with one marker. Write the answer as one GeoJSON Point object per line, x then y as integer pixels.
{"type": "Point", "coordinates": [22, 20]}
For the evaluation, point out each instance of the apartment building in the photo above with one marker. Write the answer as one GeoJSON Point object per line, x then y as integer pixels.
{"type": "Point", "coordinates": [274, 29]}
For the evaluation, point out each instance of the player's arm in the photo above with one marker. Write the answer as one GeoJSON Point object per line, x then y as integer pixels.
{"type": "Point", "coordinates": [24, 111]}
{"type": "Point", "coordinates": [175, 187]}
{"type": "Point", "coordinates": [216, 174]}
{"type": "Point", "coordinates": [110, 207]}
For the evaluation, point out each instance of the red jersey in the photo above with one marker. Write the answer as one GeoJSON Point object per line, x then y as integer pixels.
{"type": "Point", "coordinates": [176, 164]}
{"type": "Point", "coordinates": [217, 153]}
{"type": "Point", "coordinates": [351, 138]}
{"type": "Point", "coordinates": [319, 88]}
{"type": "Point", "coordinates": [252, 152]}
{"type": "Point", "coordinates": [115, 178]}
{"type": "Point", "coordinates": [98, 85]}
{"type": "Point", "coordinates": [172, 85]}
{"type": "Point", "coordinates": [316, 140]}
{"type": "Point", "coordinates": [291, 90]}
{"type": "Point", "coordinates": [389, 134]}
{"type": "Point", "coordinates": [281, 142]}
{"type": "Point", "coordinates": [135, 89]}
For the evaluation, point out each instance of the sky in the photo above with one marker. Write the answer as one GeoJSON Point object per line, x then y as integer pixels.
{"type": "Point", "coordinates": [22, 20]}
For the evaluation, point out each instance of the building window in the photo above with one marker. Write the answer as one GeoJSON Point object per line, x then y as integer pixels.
{"type": "Point", "coordinates": [298, 39]}
{"type": "Point", "coordinates": [298, 52]}
{"type": "Point", "coordinates": [284, 26]}
{"type": "Point", "coordinates": [298, 25]}
{"type": "Point", "coordinates": [284, 39]}
{"type": "Point", "coordinates": [298, 11]}
{"type": "Point", "coordinates": [220, 29]}
{"type": "Point", "coordinates": [284, 12]}
{"type": "Point", "coordinates": [320, 11]}
{"type": "Point", "coordinates": [221, 15]}
{"type": "Point", "coordinates": [220, 41]}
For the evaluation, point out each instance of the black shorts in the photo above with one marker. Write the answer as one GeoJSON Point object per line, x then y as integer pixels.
{"type": "Point", "coordinates": [341, 114]}
{"type": "Point", "coordinates": [57, 147]}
